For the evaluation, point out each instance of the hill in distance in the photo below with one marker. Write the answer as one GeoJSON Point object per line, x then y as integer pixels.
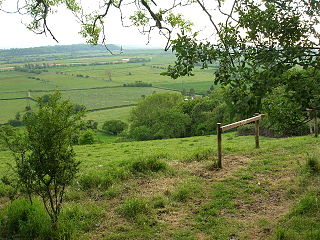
{"type": "Point", "coordinates": [58, 49]}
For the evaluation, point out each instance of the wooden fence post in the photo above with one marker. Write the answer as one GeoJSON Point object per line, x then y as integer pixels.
{"type": "Point", "coordinates": [257, 131]}
{"type": "Point", "coordinates": [219, 131]}
{"type": "Point", "coordinates": [316, 124]}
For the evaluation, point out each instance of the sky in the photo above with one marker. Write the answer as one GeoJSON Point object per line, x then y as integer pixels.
{"type": "Point", "coordinates": [66, 29]}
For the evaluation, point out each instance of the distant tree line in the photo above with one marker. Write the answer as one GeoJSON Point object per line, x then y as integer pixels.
{"type": "Point", "coordinates": [137, 84]}
{"type": "Point", "coordinates": [32, 68]}
{"type": "Point", "coordinates": [139, 60]}
{"type": "Point", "coordinates": [19, 52]}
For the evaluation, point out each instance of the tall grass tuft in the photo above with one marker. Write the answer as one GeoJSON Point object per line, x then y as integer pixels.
{"type": "Point", "coordinates": [24, 220]}
{"type": "Point", "coordinates": [186, 191]}
{"type": "Point", "coordinates": [201, 155]}
{"type": "Point", "coordinates": [312, 163]}
{"type": "Point", "coordinates": [148, 164]}
{"type": "Point", "coordinates": [133, 208]}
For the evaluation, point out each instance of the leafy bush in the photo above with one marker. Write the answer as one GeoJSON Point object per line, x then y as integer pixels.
{"type": "Point", "coordinates": [86, 137]}
{"type": "Point", "coordinates": [114, 127]}
{"type": "Point", "coordinates": [206, 112]}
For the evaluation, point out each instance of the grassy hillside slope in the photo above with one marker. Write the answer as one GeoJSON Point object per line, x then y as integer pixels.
{"type": "Point", "coordinates": [167, 189]}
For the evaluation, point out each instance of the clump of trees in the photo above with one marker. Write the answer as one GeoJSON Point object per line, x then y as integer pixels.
{"type": "Point", "coordinates": [114, 127]}
{"type": "Point", "coordinates": [45, 162]}
{"type": "Point", "coordinates": [157, 116]}
{"type": "Point", "coordinates": [168, 115]}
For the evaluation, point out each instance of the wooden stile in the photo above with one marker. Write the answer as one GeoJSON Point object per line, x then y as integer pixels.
{"type": "Point", "coordinates": [221, 129]}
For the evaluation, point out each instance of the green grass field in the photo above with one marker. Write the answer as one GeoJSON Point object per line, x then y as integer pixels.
{"type": "Point", "coordinates": [266, 193]}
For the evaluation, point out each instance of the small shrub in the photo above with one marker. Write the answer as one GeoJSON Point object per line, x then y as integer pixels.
{"type": "Point", "coordinates": [6, 190]}
{"type": "Point", "coordinates": [114, 127]}
{"type": "Point", "coordinates": [132, 208]}
{"type": "Point", "coordinates": [86, 137]}
{"type": "Point", "coordinates": [148, 164]}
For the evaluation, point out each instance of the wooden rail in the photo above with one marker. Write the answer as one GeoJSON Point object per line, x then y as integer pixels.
{"type": "Point", "coordinates": [221, 129]}
{"type": "Point", "coordinates": [242, 122]}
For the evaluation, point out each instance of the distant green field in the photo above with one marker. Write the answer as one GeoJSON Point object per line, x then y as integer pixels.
{"type": "Point", "coordinates": [8, 109]}
{"type": "Point", "coordinates": [15, 84]}
{"type": "Point", "coordinates": [180, 84]}
{"type": "Point", "coordinates": [109, 114]}
{"type": "Point", "coordinates": [108, 97]}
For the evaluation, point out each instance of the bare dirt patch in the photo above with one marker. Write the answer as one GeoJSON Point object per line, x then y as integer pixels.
{"type": "Point", "coordinates": [203, 169]}
{"type": "Point", "coordinates": [158, 186]}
